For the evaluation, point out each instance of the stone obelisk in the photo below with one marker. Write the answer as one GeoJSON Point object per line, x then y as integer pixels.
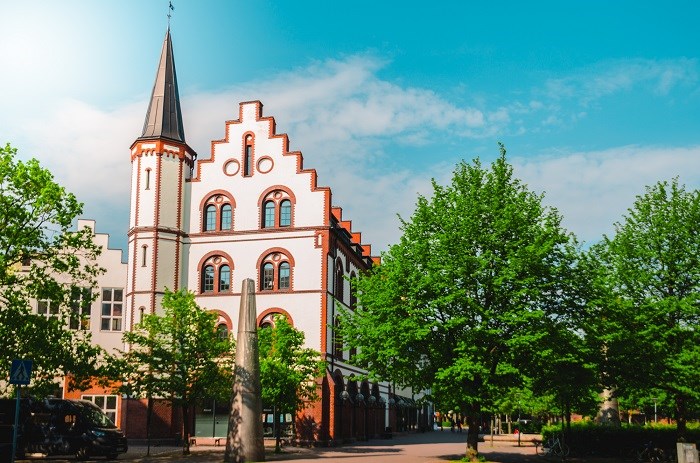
{"type": "Point", "coordinates": [244, 442]}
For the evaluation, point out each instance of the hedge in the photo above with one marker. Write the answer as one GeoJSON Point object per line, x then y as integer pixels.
{"type": "Point", "coordinates": [587, 438]}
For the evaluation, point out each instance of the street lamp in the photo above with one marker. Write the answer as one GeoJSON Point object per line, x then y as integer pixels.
{"type": "Point", "coordinates": [654, 399]}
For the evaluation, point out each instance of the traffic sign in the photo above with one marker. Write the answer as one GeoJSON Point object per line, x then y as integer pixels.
{"type": "Point", "coordinates": [21, 372]}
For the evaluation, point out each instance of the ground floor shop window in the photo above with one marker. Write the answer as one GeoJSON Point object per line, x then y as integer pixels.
{"type": "Point", "coordinates": [211, 419]}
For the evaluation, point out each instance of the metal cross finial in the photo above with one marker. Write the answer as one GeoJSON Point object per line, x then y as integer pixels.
{"type": "Point", "coordinates": [170, 9]}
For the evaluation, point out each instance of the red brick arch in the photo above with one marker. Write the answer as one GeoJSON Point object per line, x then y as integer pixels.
{"type": "Point", "coordinates": [274, 310]}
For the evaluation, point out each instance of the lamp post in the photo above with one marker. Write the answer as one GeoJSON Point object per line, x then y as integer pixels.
{"type": "Point", "coordinates": [654, 399]}
{"type": "Point", "coordinates": [345, 395]}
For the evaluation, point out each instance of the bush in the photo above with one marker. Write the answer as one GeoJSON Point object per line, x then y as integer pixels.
{"type": "Point", "coordinates": [587, 438]}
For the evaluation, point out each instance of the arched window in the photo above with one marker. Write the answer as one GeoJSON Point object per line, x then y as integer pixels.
{"type": "Point", "coordinates": [268, 276]}
{"type": "Point", "coordinates": [222, 331]}
{"type": "Point", "coordinates": [339, 283]}
{"type": "Point", "coordinates": [353, 296]}
{"type": "Point", "coordinates": [283, 282]}
{"type": "Point", "coordinates": [285, 213]}
{"type": "Point", "coordinates": [224, 278]}
{"type": "Point", "coordinates": [226, 215]}
{"type": "Point", "coordinates": [208, 279]}
{"type": "Point", "coordinates": [248, 156]}
{"type": "Point", "coordinates": [276, 272]}
{"type": "Point", "coordinates": [272, 315]}
{"type": "Point", "coordinates": [210, 218]}
{"type": "Point", "coordinates": [215, 275]}
{"type": "Point", "coordinates": [217, 213]}
{"type": "Point", "coordinates": [277, 209]}
{"type": "Point", "coordinates": [269, 220]}
{"type": "Point", "coordinates": [337, 339]}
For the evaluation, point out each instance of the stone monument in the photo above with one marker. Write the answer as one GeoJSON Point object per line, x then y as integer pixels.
{"type": "Point", "coordinates": [244, 442]}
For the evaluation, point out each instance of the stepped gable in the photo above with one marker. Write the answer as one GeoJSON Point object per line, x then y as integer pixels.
{"type": "Point", "coordinates": [355, 237]}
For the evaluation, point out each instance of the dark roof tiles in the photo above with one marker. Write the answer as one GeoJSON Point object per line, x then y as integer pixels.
{"type": "Point", "coordinates": [164, 118]}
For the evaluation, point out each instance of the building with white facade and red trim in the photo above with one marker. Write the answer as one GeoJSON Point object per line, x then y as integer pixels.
{"type": "Point", "coordinates": [251, 210]}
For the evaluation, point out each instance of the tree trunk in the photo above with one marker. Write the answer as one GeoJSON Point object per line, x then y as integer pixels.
{"type": "Point", "coordinates": [278, 429]}
{"type": "Point", "coordinates": [681, 418]}
{"type": "Point", "coordinates": [149, 414]}
{"type": "Point", "coordinates": [473, 433]}
{"type": "Point", "coordinates": [186, 429]}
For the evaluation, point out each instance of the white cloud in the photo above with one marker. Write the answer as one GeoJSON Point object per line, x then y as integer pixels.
{"type": "Point", "coordinates": [593, 190]}
{"type": "Point", "coordinates": [590, 84]}
{"type": "Point", "coordinates": [348, 122]}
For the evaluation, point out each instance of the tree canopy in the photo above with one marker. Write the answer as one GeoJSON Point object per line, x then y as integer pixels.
{"type": "Point", "coordinates": [43, 259]}
{"type": "Point", "coordinates": [178, 356]}
{"type": "Point", "coordinates": [470, 293]}
{"type": "Point", "coordinates": [649, 317]}
{"type": "Point", "coordinates": [287, 369]}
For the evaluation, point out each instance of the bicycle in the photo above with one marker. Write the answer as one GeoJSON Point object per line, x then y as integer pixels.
{"type": "Point", "coordinates": [649, 453]}
{"type": "Point", "coordinates": [553, 446]}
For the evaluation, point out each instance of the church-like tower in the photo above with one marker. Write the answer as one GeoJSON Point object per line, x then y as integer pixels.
{"type": "Point", "coordinates": [161, 163]}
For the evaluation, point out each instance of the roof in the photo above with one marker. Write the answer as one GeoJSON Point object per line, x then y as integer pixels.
{"type": "Point", "coordinates": [164, 118]}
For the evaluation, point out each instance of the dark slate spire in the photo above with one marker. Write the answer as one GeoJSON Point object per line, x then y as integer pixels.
{"type": "Point", "coordinates": [164, 118]}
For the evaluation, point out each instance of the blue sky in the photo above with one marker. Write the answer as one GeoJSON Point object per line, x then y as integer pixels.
{"type": "Point", "coordinates": [593, 100]}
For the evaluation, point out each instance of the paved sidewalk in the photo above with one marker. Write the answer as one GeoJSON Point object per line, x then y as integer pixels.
{"type": "Point", "coordinates": [430, 447]}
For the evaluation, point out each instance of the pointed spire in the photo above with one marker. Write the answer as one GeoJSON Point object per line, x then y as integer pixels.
{"type": "Point", "coordinates": [164, 118]}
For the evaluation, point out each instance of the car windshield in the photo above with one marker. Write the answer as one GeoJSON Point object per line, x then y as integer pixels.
{"type": "Point", "coordinates": [95, 416]}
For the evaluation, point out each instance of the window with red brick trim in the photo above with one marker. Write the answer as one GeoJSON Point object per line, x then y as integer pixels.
{"type": "Point", "coordinates": [276, 272]}
{"type": "Point", "coordinates": [277, 210]}
{"type": "Point", "coordinates": [215, 275]}
{"type": "Point", "coordinates": [217, 214]}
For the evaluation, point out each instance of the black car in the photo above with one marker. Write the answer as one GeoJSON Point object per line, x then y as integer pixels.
{"type": "Point", "coordinates": [63, 427]}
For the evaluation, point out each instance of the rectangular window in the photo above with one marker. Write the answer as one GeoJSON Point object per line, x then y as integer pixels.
{"type": "Point", "coordinates": [248, 161]}
{"type": "Point", "coordinates": [80, 304]}
{"type": "Point", "coordinates": [108, 404]}
{"type": "Point", "coordinates": [47, 308]}
{"type": "Point", "coordinates": [112, 304]}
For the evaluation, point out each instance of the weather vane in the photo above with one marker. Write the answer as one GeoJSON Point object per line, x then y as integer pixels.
{"type": "Point", "coordinates": [170, 9]}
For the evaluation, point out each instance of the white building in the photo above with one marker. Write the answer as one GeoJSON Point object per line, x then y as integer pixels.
{"type": "Point", "coordinates": [251, 210]}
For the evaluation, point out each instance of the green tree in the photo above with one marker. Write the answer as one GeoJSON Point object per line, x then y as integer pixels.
{"type": "Point", "coordinates": [178, 356]}
{"type": "Point", "coordinates": [649, 321]}
{"type": "Point", "coordinates": [287, 369]}
{"type": "Point", "coordinates": [41, 258]}
{"type": "Point", "coordinates": [461, 304]}
{"type": "Point", "coordinates": [566, 370]}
